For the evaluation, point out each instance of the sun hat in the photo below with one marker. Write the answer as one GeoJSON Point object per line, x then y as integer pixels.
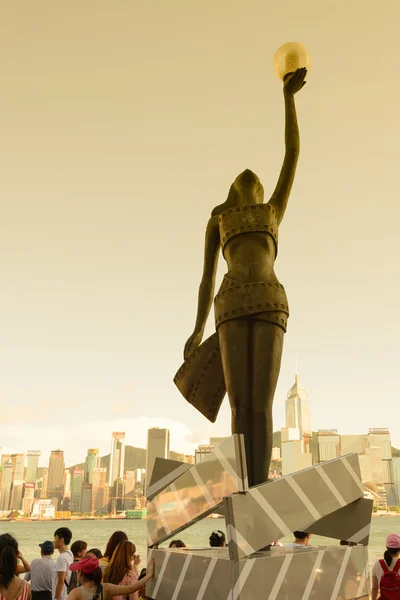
{"type": "Point", "coordinates": [393, 541]}
{"type": "Point", "coordinates": [86, 565]}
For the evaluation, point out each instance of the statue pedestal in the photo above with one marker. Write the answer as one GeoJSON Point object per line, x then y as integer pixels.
{"type": "Point", "coordinates": [326, 499]}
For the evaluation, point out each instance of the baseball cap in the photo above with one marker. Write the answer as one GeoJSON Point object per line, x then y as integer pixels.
{"type": "Point", "coordinates": [47, 547]}
{"type": "Point", "coordinates": [393, 541]}
{"type": "Point", "coordinates": [86, 565]}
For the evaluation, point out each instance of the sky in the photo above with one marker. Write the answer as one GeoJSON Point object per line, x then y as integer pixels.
{"type": "Point", "coordinates": [122, 125]}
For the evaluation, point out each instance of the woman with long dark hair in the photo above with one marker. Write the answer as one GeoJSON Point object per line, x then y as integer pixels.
{"type": "Point", "coordinates": [89, 576]}
{"type": "Point", "coordinates": [251, 309]}
{"type": "Point", "coordinates": [11, 586]}
{"type": "Point", "coordinates": [121, 568]}
{"type": "Point", "coordinates": [115, 539]}
{"type": "Point", "coordinates": [389, 564]}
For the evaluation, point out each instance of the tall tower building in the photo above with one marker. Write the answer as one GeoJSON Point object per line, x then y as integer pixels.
{"type": "Point", "coordinates": [117, 458]}
{"type": "Point", "coordinates": [157, 447]}
{"type": "Point", "coordinates": [92, 460]}
{"type": "Point", "coordinates": [17, 492]}
{"type": "Point", "coordinates": [45, 481]}
{"type": "Point", "coordinates": [298, 411]}
{"type": "Point", "coordinates": [18, 462]}
{"type": "Point", "coordinates": [55, 483]}
{"type": "Point", "coordinates": [129, 492]}
{"type": "Point", "coordinates": [6, 488]}
{"type": "Point", "coordinates": [32, 465]}
{"type": "Point", "coordinates": [99, 486]}
{"type": "Point", "coordinates": [77, 480]}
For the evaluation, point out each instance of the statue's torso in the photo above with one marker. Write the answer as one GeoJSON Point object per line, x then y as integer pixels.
{"type": "Point", "coordinates": [249, 241]}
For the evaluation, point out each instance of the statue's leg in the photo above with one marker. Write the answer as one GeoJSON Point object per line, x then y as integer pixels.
{"type": "Point", "coordinates": [267, 346]}
{"type": "Point", "coordinates": [234, 342]}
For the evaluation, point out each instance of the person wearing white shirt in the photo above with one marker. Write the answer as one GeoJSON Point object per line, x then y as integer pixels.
{"type": "Point", "coordinates": [301, 539]}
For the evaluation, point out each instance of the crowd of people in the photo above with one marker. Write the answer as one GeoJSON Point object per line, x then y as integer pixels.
{"type": "Point", "coordinates": [80, 573]}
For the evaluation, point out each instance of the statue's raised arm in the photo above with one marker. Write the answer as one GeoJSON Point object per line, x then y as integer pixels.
{"type": "Point", "coordinates": [292, 84]}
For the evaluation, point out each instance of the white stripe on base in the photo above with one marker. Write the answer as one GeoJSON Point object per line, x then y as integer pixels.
{"type": "Point", "coordinates": [234, 535]}
{"type": "Point", "coordinates": [267, 508]}
{"type": "Point", "coordinates": [161, 574]}
{"type": "Point", "coordinates": [360, 535]}
{"type": "Point", "coordinates": [182, 576]}
{"type": "Point", "coordinates": [181, 503]}
{"type": "Point", "coordinates": [245, 572]}
{"type": "Point", "coordinates": [153, 489]}
{"type": "Point", "coordinates": [226, 465]}
{"type": "Point", "coordinates": [331, 485]}
{"type": "Point", "coordinates": [353, 474]}
{"type": "Point", "coordinates": [311, 579]}
{"type": "Point", "coordinates": [281, 576]}
{"type": "Point", "coordinates": [209, 499]}
{"type": "Point", "coordinates": [207, 578]}
{"type": "Point", "coordinates": [341, 573]}
{"type": "Point", "coordinates": [303, 497]}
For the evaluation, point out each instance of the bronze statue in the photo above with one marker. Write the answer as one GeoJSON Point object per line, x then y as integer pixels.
{"type": "Point", "coordinates": [243, 357]}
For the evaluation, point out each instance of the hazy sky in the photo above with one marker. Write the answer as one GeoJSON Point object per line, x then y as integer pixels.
{"type": "Point", "coordinates": [122, 124]}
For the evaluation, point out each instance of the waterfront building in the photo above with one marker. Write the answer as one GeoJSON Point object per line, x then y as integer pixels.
{"type": "Point", "coordinates": [201, 452]}
{"type": "Point", "coordinates": [67, 490]}
{"type": "Point", "coordinates": [130, 491]}
{"type": "Point", "coordinates": [353, 443]}
{"type": "Point", "coordinates": [44, 483]}
{"type": "Point", "coordinates": [396, 471]}
{"type": "Point", "coordinates": [99, 489]}
{"type": "Point", "coordinates": [32, 465]}
{"type": "Point", "coordinates": [86, 499]}
{"type": "Point", "coordinates": [6, 487]}
{"type": "Point", "coordinates": [77, 480]}
{"type": "Point", "coordinates": [92, 462]}
{"type": "Point", "coordinates": [28, 497]}
{"type": "Point", "coordinates": [18, 462]}
{"type": "Point", "coordinates": [293, 457]}
{"type": "Point", "coordinates": [276, 454]}
{"type": "Point", "coordinates": [117, 457]}
{"type": "Point", "coordinates": [55, 484]}
{"type": "Point", "coordinates": [157, 447]}
{"type": "Point", "coordinates": [298, 410]}
{"type": "Point", "coordinates": [17, 490]}
{"type": "Point", "coordinates": [328, 444]}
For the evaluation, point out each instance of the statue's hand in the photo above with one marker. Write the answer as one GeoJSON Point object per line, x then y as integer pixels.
{"type": "Point", "coordinates": [293, 82]}
{"type": "Point", "coordinates": [193, 342]}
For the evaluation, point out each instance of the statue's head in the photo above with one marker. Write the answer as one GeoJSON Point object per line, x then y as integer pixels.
{"type": "Point", "coordinates": [247, 189]}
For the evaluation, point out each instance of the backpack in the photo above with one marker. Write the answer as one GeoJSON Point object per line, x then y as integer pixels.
{"type": "Point", "coordinates": [390, 582]}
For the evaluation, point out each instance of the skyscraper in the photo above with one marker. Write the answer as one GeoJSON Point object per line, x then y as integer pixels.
{"type": "Point", "coordinates": [18, 462]}
{"type": "Point", "coordinates": [6, 488]}
{"type": "Point", "coordinates": [129, 492]}
{"type": "Point", "coordinates": [45, 481]}
{"type": "Point", "coordinates": [32, 465]}
{"type": "Point", "coordinates": [99, 489]}
{"type": "Point", "coordinates": [117, 458]}
{"type": "Point", "coordinates": [17, 491]}
{"type": "Point", "coordinates": [92, 460]}
{"type": "Point", "coordinates": [77, 480]}
{"type": "Point", "coordinates": [298, 411]}
{"type": "Point", "coordinates": [55, 484]}
{"type": "Point", "coordinates": [157, 447]}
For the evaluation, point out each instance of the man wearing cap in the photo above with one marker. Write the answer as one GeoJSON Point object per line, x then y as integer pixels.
{"type": "Point", "coordinates": [41, 575]}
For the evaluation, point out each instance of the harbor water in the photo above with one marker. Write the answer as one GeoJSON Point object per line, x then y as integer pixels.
{"type": "Point", "coordinates": [96, 533]}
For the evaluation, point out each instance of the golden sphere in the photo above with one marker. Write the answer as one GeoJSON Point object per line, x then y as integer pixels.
{"type": "Point", "coordinates": [289, 57]}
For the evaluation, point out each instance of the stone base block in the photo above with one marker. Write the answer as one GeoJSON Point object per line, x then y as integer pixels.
{"type": "Point", "coordinates": [328, 573]}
